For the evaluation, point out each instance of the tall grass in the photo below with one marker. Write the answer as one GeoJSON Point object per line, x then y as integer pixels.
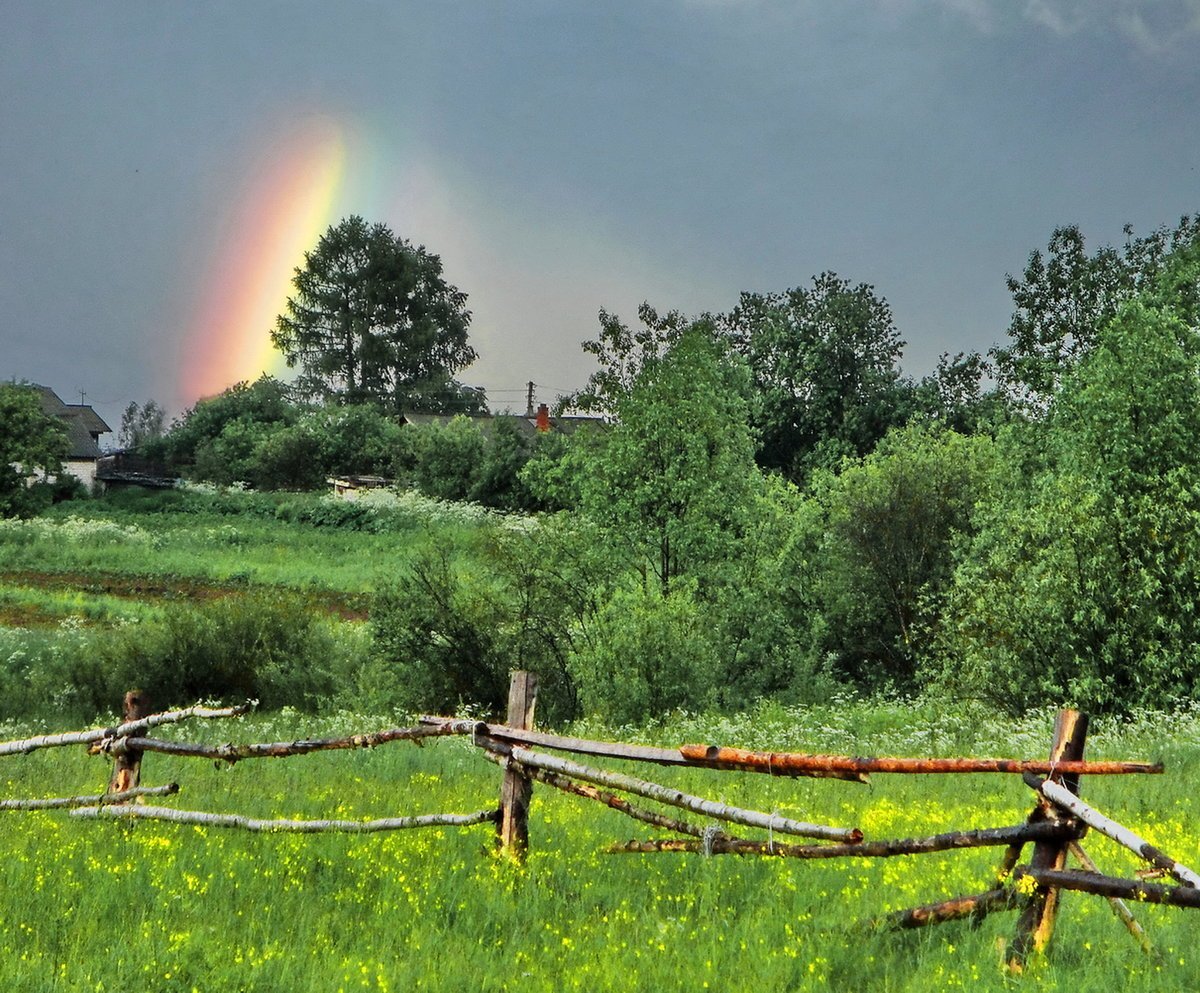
{"type": "Point", "coordinates": [296, 541]}
{"type": "Point", "coordinates": [87, 906]}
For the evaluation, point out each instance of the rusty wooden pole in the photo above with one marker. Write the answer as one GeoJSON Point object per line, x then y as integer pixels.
{"type": "Point", "coordinates": [127, 768]}
{"type": "Point", "coordinates": [512, 828]}
{"type": "Point", "coordinates": [793, 764]}
{"type": "Point", "coordinates": [1035, 926]}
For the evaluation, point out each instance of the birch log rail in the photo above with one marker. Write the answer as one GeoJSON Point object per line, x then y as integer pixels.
{"type": "Point", "coordinates": [611, 800]}
{"type": "Point", "coordinates": [232, 753]}
{"type": "Point", "coordinates": [1068, 801]}
{"type": "Point", "coordinates": [25, 745]}
{"type": "Point", "coordinates": [285, 826]}
{"type": "Point", "coordinates": [66, 802]}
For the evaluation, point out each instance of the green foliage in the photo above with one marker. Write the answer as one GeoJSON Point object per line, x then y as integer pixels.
{"type": "Point", "coordinates": [648, 655]}
{"type": "Point", "coordinates": [261, 645]}
{"type": "Point", "coordinates": [354, 439]}
{"type": "Point", "coordinates": [449, 631]}
{"type": "Point", "coordinates": [1065, 298]}
{"type": "Point", "coordinates": [32, 440]}
{"type": "Point", "coordinates": [671, 480]}
{"type": "Point", "coordinates": [226, 427]}
{"type": "Point", "coordinates": [622, 354]}
{"type": "Point", "coordinates": [877, 551]}
{"type": "Point", "coordinates": [1084, 585]}
{"type": "Point", "coordinates": [497, 482]}
{"type": "Point", "coordinates": [823, 360]}
{"type": "Point", "coordinates": [450, 460]}
{"type": "Point", "coordinates": [372, 318]}
{"type": "Point", "coordinates": [290, 458]}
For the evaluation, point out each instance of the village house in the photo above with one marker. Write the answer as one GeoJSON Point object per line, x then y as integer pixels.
{"type": "Point", "coordinates": [84, 428]}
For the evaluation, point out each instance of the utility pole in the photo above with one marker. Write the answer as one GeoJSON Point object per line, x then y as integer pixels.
{"type": "Point", "coordinates": [529, 399]}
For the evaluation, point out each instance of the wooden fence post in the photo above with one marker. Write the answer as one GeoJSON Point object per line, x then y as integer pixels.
{"type": "Point", "coordinates": [517, 790]}
{"type": "Point", "coordinates": [1036, 923]}
{"type": "Point", "coordinates": [127, 768]}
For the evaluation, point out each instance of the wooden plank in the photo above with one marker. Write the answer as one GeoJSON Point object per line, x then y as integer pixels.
{"type": "Point", "coordinates": [1035, 927]}
{"type": "Point", "coordinates": [516, 791]}
{"type": "Point", "coordinates": [668, 795]}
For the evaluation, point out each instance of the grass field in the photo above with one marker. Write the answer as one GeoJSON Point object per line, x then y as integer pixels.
{"type": "Point", "coordinates": [106, 906]}
{"type": "Point", "coordinates": [101, 906]}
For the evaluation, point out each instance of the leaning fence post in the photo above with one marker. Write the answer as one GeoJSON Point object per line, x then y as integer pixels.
{"type": "Point", "coordinates": [127, 768]}
{"type": "Point", "coordinates": [1036, 923]}
{"type": "Point", "coordinates": [515, 793]}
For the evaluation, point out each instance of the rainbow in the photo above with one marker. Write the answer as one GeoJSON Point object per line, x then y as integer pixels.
{"type": "Point", "coordinates": [284, 207]}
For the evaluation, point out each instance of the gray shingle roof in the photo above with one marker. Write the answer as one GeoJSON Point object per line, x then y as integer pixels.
{"type": "Point", "coordinates": [83, 424]}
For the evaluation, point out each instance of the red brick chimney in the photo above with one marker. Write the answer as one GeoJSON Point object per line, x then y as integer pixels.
{"type": "Point", "coordinates": [543, 417]}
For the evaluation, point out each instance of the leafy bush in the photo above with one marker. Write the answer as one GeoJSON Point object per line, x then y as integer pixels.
{"type": "Point", "coordinates": [876, 551]}
{"type": "Point", "coordinates": [263, 646]}
{"type": "Point", "coordinates": [649, 655]}
{"type": "Point", "coordinates": [450, 630]}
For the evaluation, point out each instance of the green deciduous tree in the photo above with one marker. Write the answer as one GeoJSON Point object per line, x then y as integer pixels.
{"type": "Point", "coordinates": [1085, 586]}
{"type": "Point", "coordinates": [32, 442]}
{"type": "Point", "coordinates": [622, 352]}
{"type": "Point", "coordinates": [1065, 297]}
{"type": "Point", "coordinates": [673, 477]}
{"type": "Point", "coordinates": [823, 360]}
{"type": "Point", "coordinates": [141, 423]}
{"type": "Point", "coordinates": [877, 555]}
{"type": "Point", "coordinates": [372, 318]}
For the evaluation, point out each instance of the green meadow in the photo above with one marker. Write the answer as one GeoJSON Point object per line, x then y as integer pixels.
{"type": "Point", "coordinates": [105, 906]}
{"type": "Point", "coordinates": [102, 906]}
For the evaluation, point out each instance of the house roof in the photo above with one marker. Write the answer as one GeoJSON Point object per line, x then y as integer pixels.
{"type": "Point", "coordinates": [84, 426]}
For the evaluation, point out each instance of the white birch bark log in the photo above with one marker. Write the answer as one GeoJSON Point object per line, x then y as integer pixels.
{"type": "Point", "coordinates": [205, 819]}
{"type": "Point", "coordinates": [1062, 797]}
{"type": "Point", "coordinates": [25, 745]}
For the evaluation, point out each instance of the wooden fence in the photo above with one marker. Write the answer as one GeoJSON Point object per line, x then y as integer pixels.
{"type": "Point", "coordinates": [1053, 829]}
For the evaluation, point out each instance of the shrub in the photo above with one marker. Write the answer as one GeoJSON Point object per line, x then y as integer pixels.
{"type": "Point", "coordinates": [650, 655]}
{"type": "Point", "coordinates": [263, 646]}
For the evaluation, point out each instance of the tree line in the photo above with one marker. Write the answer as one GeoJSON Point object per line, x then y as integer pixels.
{"type": "Point", "coordinates": [773, 508]}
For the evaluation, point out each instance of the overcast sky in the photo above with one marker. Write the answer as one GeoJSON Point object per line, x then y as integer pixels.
{"type": "Point", "coordinates": [562, 157]}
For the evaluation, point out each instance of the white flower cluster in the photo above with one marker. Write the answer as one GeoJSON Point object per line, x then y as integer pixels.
{"type": "Point", "coordinates": [415, 504]}
{"type": "Point", "coordinates": [78, 530]}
